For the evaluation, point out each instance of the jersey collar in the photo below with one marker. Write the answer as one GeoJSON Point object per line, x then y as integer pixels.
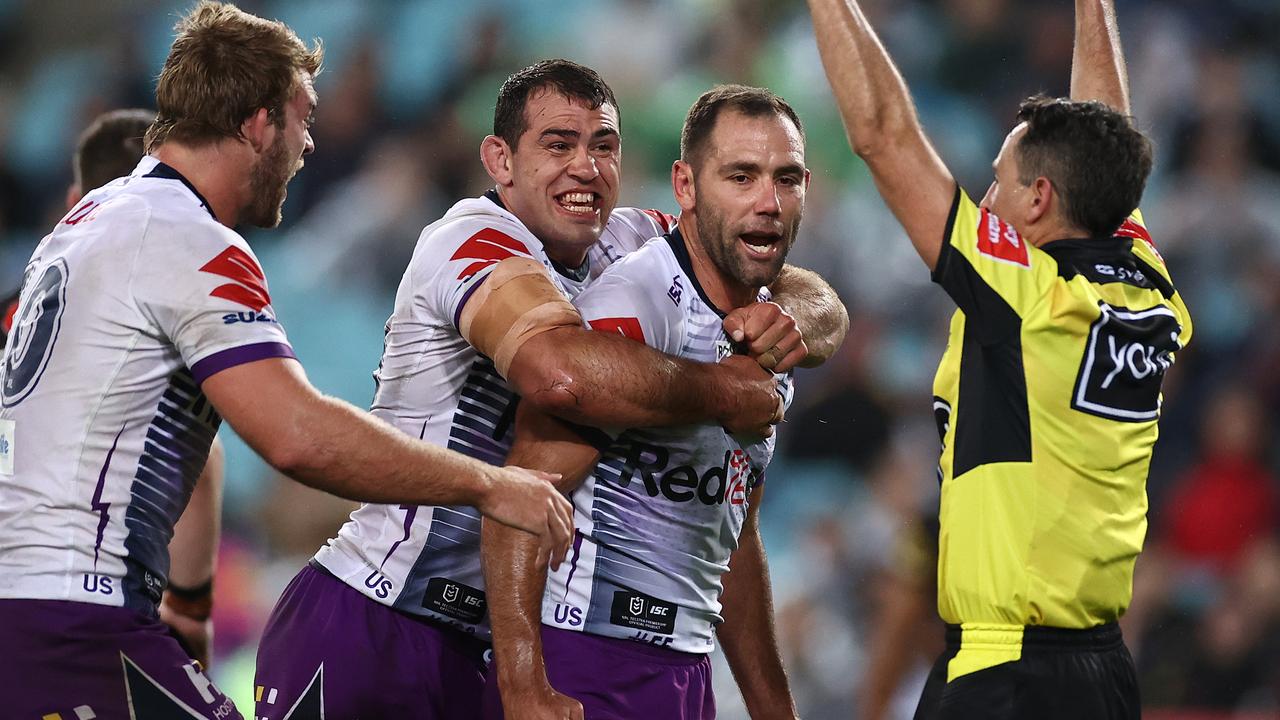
{"type": "Point", "coordinates": [678, 248]}
{"type": "Point", "coordinates": [1090, 246]}
{"type": "Point", "coordinates": [167, 172]}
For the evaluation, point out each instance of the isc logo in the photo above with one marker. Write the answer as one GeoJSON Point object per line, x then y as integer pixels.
{"type": "Point", "coordinates": [1124, 362]}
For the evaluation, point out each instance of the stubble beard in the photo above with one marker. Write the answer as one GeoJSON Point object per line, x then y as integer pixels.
{"type": "Point", "coordinates": [267, 185]}
{"type": "Point", "coordinates": [721, 245]}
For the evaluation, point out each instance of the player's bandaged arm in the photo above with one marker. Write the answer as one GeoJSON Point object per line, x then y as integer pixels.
{"type": "Point", "coordinates": [747, 634]}
{"type": "Point", "coordinates": [818, 312]}
{"type": "Point", "coordinates": [193, 554]}
{"type": "Point", "coordinates": [537, 341]}
{"type": "Point", "coordinates": [515, 575]}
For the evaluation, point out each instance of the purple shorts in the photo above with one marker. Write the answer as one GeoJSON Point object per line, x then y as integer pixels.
{"type": "Point", "coordinates": [620, 679]}
{"type": "Point", "coordinates": [80, 661]}
{"type": "Point", "coordinates": [327, 646]}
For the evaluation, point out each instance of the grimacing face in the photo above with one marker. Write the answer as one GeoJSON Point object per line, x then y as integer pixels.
{"type": "Point", "coordinates": [566, 172]}
{"type": "Point", "coordinates": [269, 179]}
{"type": "Point", "coordinates": [750, 185]}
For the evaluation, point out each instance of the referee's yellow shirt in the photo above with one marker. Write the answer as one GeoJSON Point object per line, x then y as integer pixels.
{"type": "Point", "coordinates": [1047, 399]}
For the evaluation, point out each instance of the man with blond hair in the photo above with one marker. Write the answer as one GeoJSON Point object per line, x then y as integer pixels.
{"type": "Point", "coordinates": [144, 320]}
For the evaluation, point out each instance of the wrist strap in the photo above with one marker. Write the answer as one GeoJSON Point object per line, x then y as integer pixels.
{"type": "Point", "coordinates": [195, 603]}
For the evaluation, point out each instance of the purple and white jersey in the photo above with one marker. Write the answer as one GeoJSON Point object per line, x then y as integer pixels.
{"type": "Point", "coordinates": [433, 385]}
{"type": "Point", "coordinates": [661, 513]}
{"type": "Point", "coordinates": [136, 297]}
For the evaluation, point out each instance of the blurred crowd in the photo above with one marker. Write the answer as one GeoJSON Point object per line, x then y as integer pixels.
{"type": "Point", "coordinates": [405, 98]}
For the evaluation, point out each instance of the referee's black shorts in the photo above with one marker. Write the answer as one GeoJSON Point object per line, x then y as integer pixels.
{"type": "Point", "coordinates": [1061, 675]}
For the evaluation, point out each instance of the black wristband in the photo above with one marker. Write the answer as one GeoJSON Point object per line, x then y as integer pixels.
{"type": "Point", "coordinates": [196, 593]}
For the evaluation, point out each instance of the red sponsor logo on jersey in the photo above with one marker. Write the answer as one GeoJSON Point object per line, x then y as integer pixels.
{"type": "Point", "coordinates": [1131, 229]}
{"type": "Point", "coordinates": [81, 213]}
{"type": "Point", "coordinates": [998, 239]}
{"type": "Point", "coordinates": [665, 221]}
{"type": "Point", "coordinates": [626, 326]}
{"type": "Point", "coordinates": [487, 247]}
{"type": "Point", "coordinates": [250, 284]}
{"type": "Point", "coordinates": [739, 471]}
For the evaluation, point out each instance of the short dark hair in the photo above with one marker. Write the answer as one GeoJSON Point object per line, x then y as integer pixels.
{"type": "Point", "coordinates": [568, 78]}
{"type": "Point", "coordinates": [1097, 160]}
{"type": "Point", "coordinates": [748, 101]}
{"type": "Point", "coordinates": [110, 147]}
{"type": "Point", "coordinates": [224, 66]}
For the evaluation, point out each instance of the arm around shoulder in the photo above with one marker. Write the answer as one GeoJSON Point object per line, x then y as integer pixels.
{"type": "Point", "coordinates": [331, 445]}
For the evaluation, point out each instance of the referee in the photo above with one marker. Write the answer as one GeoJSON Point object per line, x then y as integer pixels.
{"type": "Point", "coordinates": [1048, 394]}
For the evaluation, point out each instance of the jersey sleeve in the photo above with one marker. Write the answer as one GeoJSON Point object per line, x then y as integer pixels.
{"type": "Point", "coordinates": [453, 260]}
{"type": "Point", "coordinates": [204, 290]}
{"type": "Point", "coordinates": [620, 303]}
{"type": "Point", "coordinates": [989, 270]}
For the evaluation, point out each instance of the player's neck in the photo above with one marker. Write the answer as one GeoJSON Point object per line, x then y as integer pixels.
{"type": "Point", "coordinates": [1051, 230]}
{"type": "Point", "coordinates": [723, 291]}
{"type": "Point", "coordinates": [215, 171]}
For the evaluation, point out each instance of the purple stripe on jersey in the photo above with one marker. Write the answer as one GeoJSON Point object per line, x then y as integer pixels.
{"type": "Point", "coordinates": [411, 511]}
{"type": "Point", "coordinates": [466, 296]}
{"type": "Point", "coordinates": [573, 564]}
{"type": "Point", "coordinates": [231, 357]}
{"type": "Point", "coordinates": [457, 314]}
{"type": "Point", "coordinates": [97, 504]}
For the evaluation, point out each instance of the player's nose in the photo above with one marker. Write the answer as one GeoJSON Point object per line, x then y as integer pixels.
{"type": "Point", "coordinates": [767, 202]}
{"type": "Point", "coordinates": [582, 166]}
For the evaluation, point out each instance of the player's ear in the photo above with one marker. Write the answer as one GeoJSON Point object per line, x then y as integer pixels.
{"type": "Point", "coordinates": [256, 128]}
{"type": "Point", "coordinates": [1043, 197]}
{"type": "Point", "coordinates": [682, 185]}
{"type": "Point", "coordinates": [495, 155]}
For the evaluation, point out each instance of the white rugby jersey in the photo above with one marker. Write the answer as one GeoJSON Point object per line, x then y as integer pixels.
{"type": "Point", "coordinates": [661, 513]}
{"type": "Point", "coordinates": [433, 385]}
{"type": "Point", "coordinates": [136, 297]}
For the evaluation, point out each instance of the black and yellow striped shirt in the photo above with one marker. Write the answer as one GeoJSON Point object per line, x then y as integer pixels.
{"type": "Point", "coordinates": [1047, 399]}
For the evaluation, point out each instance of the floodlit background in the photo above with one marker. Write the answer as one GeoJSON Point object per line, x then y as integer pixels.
{"type": "Point", "coordinates": [406, 96]}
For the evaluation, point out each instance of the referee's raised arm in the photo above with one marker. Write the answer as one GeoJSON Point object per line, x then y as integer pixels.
{"type": "Point", "coordinates": [1098, 69]}
{"type": "Point", "coordinates": [882, 124]}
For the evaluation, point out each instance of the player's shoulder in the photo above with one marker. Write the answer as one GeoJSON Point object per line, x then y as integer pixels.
{"type": "Point", "coordinates": [640, 222]}
{"type": "Point", "coordinates": [1135, 228]}
{"type": "Point", "coordinates": [629, 228]}
{"type": "Point", "coordinates": [478, 228]}
{"type": "Point", "coordinates": [174, 217]}
{"type": "Point", "coordinates": [653, 261]}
